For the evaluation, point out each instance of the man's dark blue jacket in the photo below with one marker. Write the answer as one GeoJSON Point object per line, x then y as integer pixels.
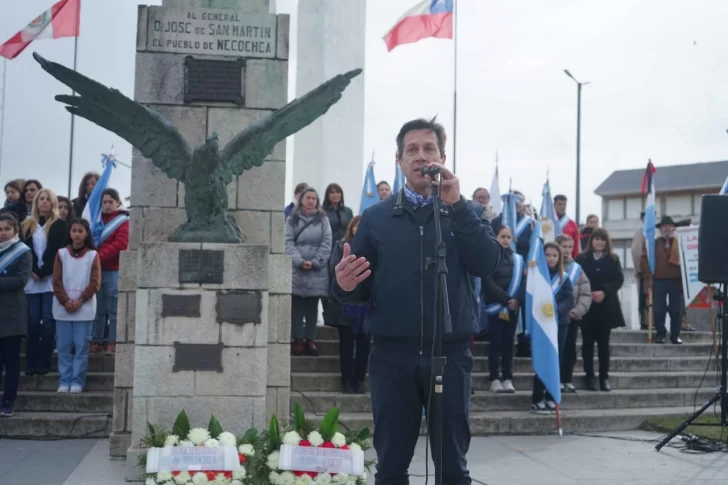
{"type": "Point", "coordinates": [396, 237]}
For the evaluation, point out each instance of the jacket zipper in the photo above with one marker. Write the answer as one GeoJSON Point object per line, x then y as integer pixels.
{"type": "Point", "coordinates": [422, 292]}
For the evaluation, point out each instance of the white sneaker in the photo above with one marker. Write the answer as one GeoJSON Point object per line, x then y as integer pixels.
{"type": "Point", "coordinates": [508, 386]}
{"type": "Point", "coordinates": [63, 389]}
{"type": "Point", "coordinates": [76, 389]}
{"type": "Point", "coordinates": [496, 386]}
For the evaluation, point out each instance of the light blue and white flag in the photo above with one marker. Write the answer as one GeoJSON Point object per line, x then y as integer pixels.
{"type": "Point", "coordinates": [399, 180]}
{"type": "Point", "coordinates": [509, 216]}
{"type": "Point", "coordinates": [496, 204]}
{"type": "Point", "coordinates": [541, 318]}
{"type": "Point", "coordinates": [648, 187]}
{"type": "Point", "coordinates": [92, 211]}
{"type": "Point", "coordinates": [551, 229]}
{"type": "Point", "coordinates": [369, 194]}
{"type": "Point", "coordinates": [724, 189]}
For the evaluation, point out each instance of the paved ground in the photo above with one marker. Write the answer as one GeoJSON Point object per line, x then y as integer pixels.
{"type": "Point", "coordinates": [623, 458]}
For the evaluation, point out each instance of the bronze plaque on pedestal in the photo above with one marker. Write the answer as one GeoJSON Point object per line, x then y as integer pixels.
{"type": "Point", "coordinates": [213, 80]}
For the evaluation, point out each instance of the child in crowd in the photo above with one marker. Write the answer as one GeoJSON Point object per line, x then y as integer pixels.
{"type": "Point", "coordinates": [16, 264]}
{"type": "Point", "coordinates": [503, 292]}
{"type": "Point", "coordinates": [542, 402]}
{"type": "Point", "coordinates": [582, 302]}
{"type": "Point", "coordinates": [14, 203]}
{"type": "Point", "coordinates": [76, 279]}
{"type": "Point", "coordinates": [65, 209]}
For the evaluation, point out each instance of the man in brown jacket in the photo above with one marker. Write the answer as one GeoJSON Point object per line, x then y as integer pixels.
{"type": "Point", "coordinates": [666, 283]}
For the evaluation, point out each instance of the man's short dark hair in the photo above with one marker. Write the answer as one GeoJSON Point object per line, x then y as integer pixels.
{"type": "Point", "coordinates": [383, 182]}
{"type": "Point", "coordinates": [300, 188]}
{"type": "Point", "coordinates": [479, 189]}
{"type": "Point", "coordinates": [560, 197]}
{"type": "Point", "coordinates": [422, 124]}
{"type": "Point", "coordinates": [591, 216]}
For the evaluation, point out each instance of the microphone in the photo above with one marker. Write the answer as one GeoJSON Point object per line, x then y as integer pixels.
{"type": "Point", "coordinates": [431, 171]}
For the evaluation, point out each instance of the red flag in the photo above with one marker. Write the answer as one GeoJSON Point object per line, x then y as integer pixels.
{"type": "Point", "coordinates": [61, 20]}
{"type": "Point", "coordinates": [647, 177]}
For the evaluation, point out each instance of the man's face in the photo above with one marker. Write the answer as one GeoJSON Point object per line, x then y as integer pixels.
{"type": "Point", "coordinates": [482, 197]}
{"type": "Point", "coordinates": [560, 207]}
{"type": "Point", "coordinates": [420, 149]}
{"type": "Point", "coordinates": [384, 191]}
{"type": "Point", "coordinates": [667, 230]}
{"type": "Point", "coordinates": [593, 222]}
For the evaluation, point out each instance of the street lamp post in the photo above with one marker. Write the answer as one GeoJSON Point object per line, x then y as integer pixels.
{"type": "Point", "coordinates": [578, 144]}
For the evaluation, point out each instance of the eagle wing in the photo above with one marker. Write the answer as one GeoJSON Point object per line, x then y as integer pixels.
{"type": "Point", "coordinates": [148, 131]}
{"type": "Point", "coordinates": [249, 148]}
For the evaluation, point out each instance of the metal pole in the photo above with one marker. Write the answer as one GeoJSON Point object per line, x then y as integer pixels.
{"type": "Point", "coordinates": [73, 123]}
{"type": "Point", "coordinates": [455, 88]}
{"type": "Point", "coordinates": [578, 155]}
{"type": "Point", "coordinates": [2, 113]}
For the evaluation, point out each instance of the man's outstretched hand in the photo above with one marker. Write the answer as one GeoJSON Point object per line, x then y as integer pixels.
{"type": "Point", "coordinates": [351, 271]}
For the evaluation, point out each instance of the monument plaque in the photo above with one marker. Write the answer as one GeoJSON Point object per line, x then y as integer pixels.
{"type": "Point", "coordinates": [239, 307]}
{"type": "Point", "coordinates": [213, 32]}
{"type": "Point", "coordinates": [197, 357]}
{"type": "Point", "coordinates": [181, 306]}
{"type": "Point", "coordinates": [201, 266]}
{"type": "Point", "coordinates": [213, 80]}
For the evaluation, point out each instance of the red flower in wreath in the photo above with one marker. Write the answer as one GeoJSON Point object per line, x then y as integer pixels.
{"type": "Point", "coordinates": [211, 475]}
{"type": "Point", "coordinates": [242, 458]}
{"type": "Point", "coordinates": [328, 444]}
{"type": "Point", "coordinates": [304, 443]}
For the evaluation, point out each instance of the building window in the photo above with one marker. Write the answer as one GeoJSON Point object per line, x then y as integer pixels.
{"type": "Point", "coordinates": [634, 207]}
{"type": "Point", "coordinates": [678, 205]}
{"type": "Point", "coordinates": [615, 209]}
{"type": "Point", "coordinates": [618, 248]}
{"type": "Point", "coordinates": [697, 198]}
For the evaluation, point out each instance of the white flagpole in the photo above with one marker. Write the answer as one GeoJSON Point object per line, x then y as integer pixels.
{"type": "Point", "coordinates": [455, 87]}
{"type": "Point", "coordinates": [2, 113]}
{"type": "Point", "coordinates": [73, 117]}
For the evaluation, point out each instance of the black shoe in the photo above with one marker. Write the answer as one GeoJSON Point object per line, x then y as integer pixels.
{"type": "Point", "coordinates": [42, 372]}
{"type": "Point", "coordinates": [677, 341]}
{"type": "Point", "coordinates": [359, 388]}
{"type": "Point", "coordinates": [660, 340]}
{"type": "Point", "coordinates": [604, 385]}
{"type": "Point", "coordinates": [348, 387]}
{"type": "Point", "coordinates": [31, 372]}
{"type": "Point", "coordinates": [591, 384]}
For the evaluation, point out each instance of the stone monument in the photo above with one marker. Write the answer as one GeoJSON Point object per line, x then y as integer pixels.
{"type": "Point", "coordinates": [203, 324]}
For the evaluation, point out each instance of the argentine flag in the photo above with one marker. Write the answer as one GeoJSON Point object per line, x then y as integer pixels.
{"type": "Point", "coordinates": [509, 217]}
{"type": "Point", "coordinates": [92, 211]}
{"type": "Point", "coordinates": [369, 194]}
{"type": "Point", "coordinates": [551, 229]}
{"type": "Point", "coordinates": [648, 187]}
{"type": "Point", "coordinates": [398, 178]}
{"type": "Point", "coordinates": [496, 204]}
{"type": "Point", "coordinates": [541, 318]}
{"type": "Point", "coordinates": [724, 189]}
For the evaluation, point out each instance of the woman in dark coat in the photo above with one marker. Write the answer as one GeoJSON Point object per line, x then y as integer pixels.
{"type": "Point", "coordinates": [349, 320]}
{"type": "Point", "coordinates": [14, 201]}
{"type": "Point", "coordinates": [88, 182]}
{"type": "Point", "coordinates": [604, 271]}
{"type": "Point", "coordinates": [16, 264]}
{"type": "Point", "coordinates": [339, 215]}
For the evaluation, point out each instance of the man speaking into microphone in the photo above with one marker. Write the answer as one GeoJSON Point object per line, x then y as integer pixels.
{"type": "Point", "coordinates": [387, 265]}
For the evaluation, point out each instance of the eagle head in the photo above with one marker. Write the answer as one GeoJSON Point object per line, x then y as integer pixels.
{"type": "Point", "coordinates": [212, 143]}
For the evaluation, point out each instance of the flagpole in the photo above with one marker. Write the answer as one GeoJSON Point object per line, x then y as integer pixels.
{"type": "Point", "coordinates": [2, 113]}
{"type": "Point", "coordinates": [455, 87]}
{"type": "Point", "coordinates": [73, 116]}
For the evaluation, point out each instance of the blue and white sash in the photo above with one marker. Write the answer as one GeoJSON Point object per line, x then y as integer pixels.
{"type": "Point", "coordinates": [112, 226]}
{"type": "Point", "coordinates": [574, 272]}
{"type": "Point", "coordinates": [516, 278]}
{"type": "Point", "coordinates": [557, 283]}
{"type": "Point", "coordinates": [563, 221]}
{"type": "Point", "coordinates": [11, 255]}
{"type": "Point", "coordinates": [522, 225]}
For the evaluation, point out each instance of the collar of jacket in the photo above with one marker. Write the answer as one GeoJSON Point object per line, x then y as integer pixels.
{"type": "Point", "coordinates": [401, 204]}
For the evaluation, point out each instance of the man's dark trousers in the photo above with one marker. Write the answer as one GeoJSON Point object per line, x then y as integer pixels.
{"type": "Point", "coordinates": [400, 385]}
{"type": "Point", "coordinates": [662, 289]}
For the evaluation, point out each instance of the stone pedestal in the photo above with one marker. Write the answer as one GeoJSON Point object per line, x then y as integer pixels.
{"type": "Point", "coordinates": [254, 355]}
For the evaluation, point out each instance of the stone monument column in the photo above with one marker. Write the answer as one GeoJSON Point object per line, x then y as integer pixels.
{"type": "Point", "coordinates": [331, 39]}
{"type": "Point", "coordinates": [205, 327]}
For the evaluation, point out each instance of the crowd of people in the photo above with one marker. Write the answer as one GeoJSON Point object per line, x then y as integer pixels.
{"type": "Point", "coordinates": [58, 282]}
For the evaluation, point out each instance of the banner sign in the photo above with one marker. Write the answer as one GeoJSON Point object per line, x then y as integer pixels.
{"type": "Point", "coordinates": [197, 458]}
{"type": "Point", "coordinates": [693, 292]}
{"type": "Point", "coordinates": [321, 460]}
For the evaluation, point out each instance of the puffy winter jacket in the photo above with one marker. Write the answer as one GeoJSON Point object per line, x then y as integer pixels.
{"type": "Point", "coordinates": [117, 242]}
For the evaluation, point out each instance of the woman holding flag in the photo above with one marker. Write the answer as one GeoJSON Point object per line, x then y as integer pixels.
{"type": "Point", "coordinates": [113, 239]}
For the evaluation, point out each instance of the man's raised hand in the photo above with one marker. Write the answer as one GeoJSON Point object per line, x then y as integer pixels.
{"type": "Point", "coordinates": [351, 271]}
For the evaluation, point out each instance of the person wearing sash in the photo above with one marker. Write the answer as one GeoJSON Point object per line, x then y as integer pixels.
{"type": "Point", "coordinates": [582, 301]}
{"type": "Point", "coordinates": [604, 271]}
{"type": "Point", "coordinates": [111, 241]}
{"type": "Point", "coordinates": [566, 224]}
{"type": "Point", "coordinates": [16, 264]}
{"type": "Point", "coordinates": [503, 294]}
{"type": "Point", "coordinates": [45, 233]}
{"type": "Point", "coordinates": [76, 279]}
{"type": "Point", "coordinates": [541, 400]}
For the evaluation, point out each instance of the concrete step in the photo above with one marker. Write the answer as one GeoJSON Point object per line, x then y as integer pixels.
{"type": "Point", "coordinates": [331, 348]}
{"type": "Point", "coordinates": [330, 363]}
{"type": "Point", "coordinates": [321, 402]}
{"type": "Point", "coordinates": [56, 425]}
{"type": "Point", "coordinates": [331, 382]}
{"type": "Point", "coordinates": [618, 336]}
{"type": "Point", "coordinates": [526, 422]}
{"type": "Point", "coordinates": [51, 401]}
{"type": "Point", "coordinates": [96, 363]}
{"type": "Point", "coordinates": [95, 381]}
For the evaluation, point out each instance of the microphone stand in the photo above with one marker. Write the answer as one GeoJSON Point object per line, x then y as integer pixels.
{"type": "Point", "coordinates": [443, 324]}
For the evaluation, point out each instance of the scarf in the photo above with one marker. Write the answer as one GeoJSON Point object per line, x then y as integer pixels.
{"type": "Point", "coordinates": [308, 213]}
{"type": "Point", "coordinates": [4, 246]}
{"type": "Point", "coordinates": [11, 205]}
{"type": "Point", "coordinates": [415, 198]}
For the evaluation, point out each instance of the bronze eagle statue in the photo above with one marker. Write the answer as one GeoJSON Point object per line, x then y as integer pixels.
{"type": "Point", "coordinates": [205, 170]}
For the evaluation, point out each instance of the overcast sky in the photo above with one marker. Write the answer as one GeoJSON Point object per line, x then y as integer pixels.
{"type": "Point", "coordinates": [657, 70]}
